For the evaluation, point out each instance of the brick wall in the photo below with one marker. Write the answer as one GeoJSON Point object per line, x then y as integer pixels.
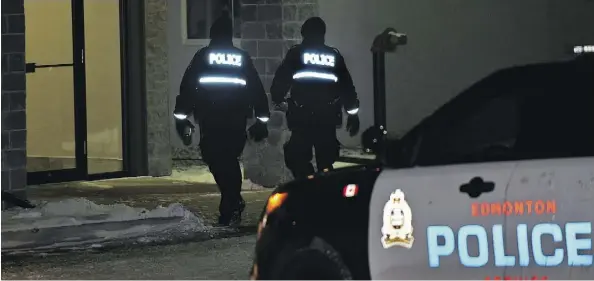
{"type": "Point", "coordinates": [269, 28]}
{"type": "Point", "coordinates": [14, 133]}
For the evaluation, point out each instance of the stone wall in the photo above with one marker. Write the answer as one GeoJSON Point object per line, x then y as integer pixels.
{"type": "Point", "coordinates": [14, 133]}
{"type": "Point", "coordinates": [157, 88]}
{"type": "Point", "coordinates": [269, 29]}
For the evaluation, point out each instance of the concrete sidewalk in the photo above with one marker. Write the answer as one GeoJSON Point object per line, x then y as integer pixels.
{"type": "Point", "coordinates": [101, 214]}
{"type": "Point", "coordinates": [200, 198]}
{"type": "Point", "coordinates": [125, 211]}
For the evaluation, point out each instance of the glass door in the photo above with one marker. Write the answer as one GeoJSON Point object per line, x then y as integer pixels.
{"type": "Point", "coordinates": [103, 68]}
{"type": "Point", "coordinates": [56, 140]}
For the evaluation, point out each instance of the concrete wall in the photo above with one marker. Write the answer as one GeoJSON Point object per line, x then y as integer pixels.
{"type": "Point", "coordinates": [180, 56]}
{"type": "Point", "coordinates": [451, 45]}
{"type": "Point", "coordinates": [14, 134]}
{"type": "Point", "coordinates": [157, 87]}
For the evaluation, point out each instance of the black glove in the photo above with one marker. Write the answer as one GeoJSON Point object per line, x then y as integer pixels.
{"type": "Point", "coordinates": [185, 129]}
{"type": "Point", "coordinates": [352, 125]}
{"type": "Point", "coordinates": [258, 131]}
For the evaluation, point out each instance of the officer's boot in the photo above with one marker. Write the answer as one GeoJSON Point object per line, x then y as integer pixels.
{"type": "Point", "coordinates": [229, 180]}
{"type": "Point", "coordinates": [236, 214]}
{"type": "Point", "coordinates": [231, 215]}
{"type": "Point", "coordinates": [224, 215]}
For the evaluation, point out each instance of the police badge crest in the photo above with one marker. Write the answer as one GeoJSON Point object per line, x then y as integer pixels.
{"type": "Point", "coordinates": [397, 227]}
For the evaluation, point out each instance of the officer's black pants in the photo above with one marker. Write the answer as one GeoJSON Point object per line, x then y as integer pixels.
{"type": "Point", "coordinates": [221, 145]}
{"type": "Point", "coordinates": [298, 150]}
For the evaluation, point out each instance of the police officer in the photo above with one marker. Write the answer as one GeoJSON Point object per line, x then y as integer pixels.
{"type": "Point", "coordinates": [320, 86]}
{"type": "Point", "coordinates": [221, 88]}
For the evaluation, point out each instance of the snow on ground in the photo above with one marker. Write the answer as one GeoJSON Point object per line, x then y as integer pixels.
{"type": "Point", "coordinates": [194, 173]}
{"type": "Point", "coordinates": [78, 211]}
{"type": "Point", "coordinates": [78, 222]}
{"type": "Point", "coordinates": [201, 174]}
{"type": "Point", "coordinates": [89, 222]}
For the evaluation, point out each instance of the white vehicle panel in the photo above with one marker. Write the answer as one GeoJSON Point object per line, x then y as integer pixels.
{"type": "Point", "coordinates": [436, 203]}
{"type": "Point", "coordinates": [569, 185]}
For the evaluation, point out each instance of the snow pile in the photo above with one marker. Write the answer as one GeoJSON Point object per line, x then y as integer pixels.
{"type": "Point", "coordinates": [78, 211]}
{"type": "Point", "coordinates": [264, 162]}
{"type": "Point", "coordinates": [193, 173]}
{"type": "Point", "coordinates": [249, 185]}
{"type": "Point", "coordinates": [79, 224]}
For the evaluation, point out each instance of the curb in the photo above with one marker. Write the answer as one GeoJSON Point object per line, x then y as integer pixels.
{"type": "Point", "coordinates": [157, 239]}
{"type": "Point", "coordinates": [95, 237]}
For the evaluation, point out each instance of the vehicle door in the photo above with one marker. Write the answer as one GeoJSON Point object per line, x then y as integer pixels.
{"type": "Point", "coordinates": [440, 217]}
{"type": "Point", "coordinates": [553, 199]}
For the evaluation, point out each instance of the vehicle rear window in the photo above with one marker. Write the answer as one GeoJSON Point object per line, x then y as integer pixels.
{"type": "Point", "coordinates": [548, 115]}
{"type": "Point", "coordinates": [488, 132]}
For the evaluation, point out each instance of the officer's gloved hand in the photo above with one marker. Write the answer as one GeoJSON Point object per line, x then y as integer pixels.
{"type": "Point", "coordinates": [258, 131]}
{"type": "Point", "coordinates": [352, 125]}
{"type": "Point", "coordinates": [185, 129]}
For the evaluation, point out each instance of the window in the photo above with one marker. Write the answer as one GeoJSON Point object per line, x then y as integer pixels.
{"type": "Point", "coordinates": [198, 15]}
{"type": "Point", "coordinates": [485, 133]}
{"type": "Point", "coordinates": [528, 113]}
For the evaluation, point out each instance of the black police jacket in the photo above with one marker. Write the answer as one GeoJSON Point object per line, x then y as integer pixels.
{"type": "Point", "coordinates": [221, 82]}
{"type": "Point", "coordinates": [318, 79]}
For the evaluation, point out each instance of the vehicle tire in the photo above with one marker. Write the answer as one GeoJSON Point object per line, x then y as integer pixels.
{"type": "Point", "coordinates": [316, 261]}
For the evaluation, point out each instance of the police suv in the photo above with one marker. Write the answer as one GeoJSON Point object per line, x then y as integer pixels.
{"type": "Point", "coordinates": [497, 184]}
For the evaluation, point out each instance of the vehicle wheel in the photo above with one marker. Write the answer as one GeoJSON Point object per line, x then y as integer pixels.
{"type": "Point", "coordinates": [316, 261]}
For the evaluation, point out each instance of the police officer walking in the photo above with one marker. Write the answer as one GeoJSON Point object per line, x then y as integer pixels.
{"type": "Point", "coordinates": [221, 88]}
{"type": "Point", "coordinates": [320, 86]}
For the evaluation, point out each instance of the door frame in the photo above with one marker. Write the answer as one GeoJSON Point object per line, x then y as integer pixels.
{"type": "Point", "coordinates": [133, 103]}
{"type": "Point", "coordinates": [80, 172]}
{"type": "Point", "coordinates": [79, 96]}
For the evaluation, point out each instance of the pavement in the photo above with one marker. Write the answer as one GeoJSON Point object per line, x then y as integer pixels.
{"type": "Point", "coordinates": [200, 198]}
{"type": "Point", "coordinates": [106, 214]}
{"type": "Point", "coordinates": [122, 212]}
{"type": "Point", "coordinates": [223, 259]}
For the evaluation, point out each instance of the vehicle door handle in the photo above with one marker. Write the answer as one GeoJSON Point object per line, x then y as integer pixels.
{"type": "Point", "coordinates": [477, 186]}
